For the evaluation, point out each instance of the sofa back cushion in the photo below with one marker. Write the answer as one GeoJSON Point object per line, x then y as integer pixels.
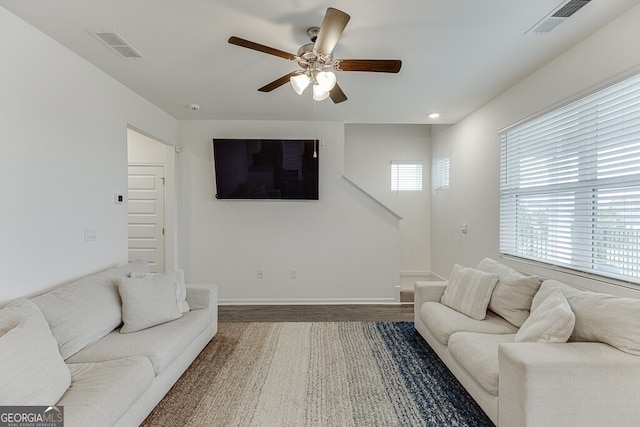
{"type": "Point", "coordinates": [84, 311]}
{"type": "Point", "coordinates": [512, 297]}
{"type": "Point", "coordinates": [32, 370]}
{"type": "Point", "coordinates": [599, 317]}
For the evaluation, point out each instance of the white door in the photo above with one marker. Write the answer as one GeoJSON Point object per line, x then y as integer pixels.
{"type": "Point", "coordinates": [146, 215]}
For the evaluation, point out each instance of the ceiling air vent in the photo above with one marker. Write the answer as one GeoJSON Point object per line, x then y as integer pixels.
{"type": "Point", "coordinates": [118, 44]}
{"type": "Point", "coordinates": [571, 7]}
{"type": "Point", "coordinates": [558, 16]}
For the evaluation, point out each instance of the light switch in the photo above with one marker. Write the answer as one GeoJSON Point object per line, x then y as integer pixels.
{"type": "Point", "coordinates": [90, 234]}
{"type": "Point", "coordinates": [463, 228]}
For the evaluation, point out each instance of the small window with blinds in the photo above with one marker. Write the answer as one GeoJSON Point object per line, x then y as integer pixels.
{"type": "Point", "coordinates": [440, 172]}
{"type": "Point", "coordinates": [406, 176]}
{"type": "Point", "coordinates": [570, 185]}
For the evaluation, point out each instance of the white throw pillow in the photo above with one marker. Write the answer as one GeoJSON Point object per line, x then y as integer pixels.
{"type": "Point", "coordinates": [182, 291]}
{"type": "Point", "coordinates": [148, 301]}
{"type": "Point", "coordinates": [551, 321]}
{"type": "Point", "coordinates": [177, 276]}
{"type": "Point", "coordinates": [512, 297]}
{"type": "Point", "coordinates": [32, 369]}
{"type": "Point", "coordinates": [469, 291]}
{"type": "Point", "coordinates": [599, 317]}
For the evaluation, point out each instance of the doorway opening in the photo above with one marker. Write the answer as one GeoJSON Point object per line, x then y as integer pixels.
{"type": "Point", "coordinates": [150, 201]}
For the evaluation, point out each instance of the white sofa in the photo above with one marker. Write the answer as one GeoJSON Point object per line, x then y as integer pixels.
{"type": "Point", "coordinates": [591, 380]}
{"type": "Point", "coordinates": [65, 347]}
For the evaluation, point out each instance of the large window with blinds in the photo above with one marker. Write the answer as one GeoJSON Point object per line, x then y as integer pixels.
{"type": "Point", "coordinates": [570, 185]}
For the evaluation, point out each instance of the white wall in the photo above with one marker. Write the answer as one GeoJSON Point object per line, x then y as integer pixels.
{"type": "Point", "coordinates": [142, 150]}
{"type": "Point", "coordinates": [369, 150]}
{"type": "Point", "coordinates": [63, 132]}
{"type": "Point", "coordinates": [474, 144]}
{"type": "Point", "coordinates": [344, 246]}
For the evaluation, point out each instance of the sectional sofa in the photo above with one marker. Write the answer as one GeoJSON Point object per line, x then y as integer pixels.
{"type": "Point", "coordinates": [107, 347]}
{"type": "Point", "coordinates": [535, 352]}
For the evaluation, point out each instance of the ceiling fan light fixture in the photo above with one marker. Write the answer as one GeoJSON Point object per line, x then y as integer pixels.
{"type": "Point", "coordinates": [319, 94]}
{"type": "Point", "coordinates": [316, 60]}
{"type": "Point", "coordinates": [299, 82]}
{"type": "Point", "coordinates": [326, 80]}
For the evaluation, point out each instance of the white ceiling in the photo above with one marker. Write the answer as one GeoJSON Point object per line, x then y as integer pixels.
{"type": "Point", "coordinates": [456, 54]}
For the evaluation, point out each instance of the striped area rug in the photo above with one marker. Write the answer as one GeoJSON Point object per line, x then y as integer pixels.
{"type": "Point", "coordinates": [317, 374]}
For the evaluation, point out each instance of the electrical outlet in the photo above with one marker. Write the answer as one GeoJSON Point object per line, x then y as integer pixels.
{"type": "Point", "coordinates": [293, 273]}
{"type": "Point", "coordinates": [260, 273]}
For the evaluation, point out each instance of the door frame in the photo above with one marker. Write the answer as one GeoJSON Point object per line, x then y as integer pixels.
{"type": "Point", "coordinates": [170, 206]}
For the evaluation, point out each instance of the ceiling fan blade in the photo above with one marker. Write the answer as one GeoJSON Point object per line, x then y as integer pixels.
{"type": "Point", "coordinates": [261, 48]}
{"type": "Point", "coordinates": [371, 65]}
{"type": "Point", "coordinates": [277, 83]}
{"type": "Point", "coordinates": [330, 31]}
{"type": "Point", "coordinates": [337, 95]}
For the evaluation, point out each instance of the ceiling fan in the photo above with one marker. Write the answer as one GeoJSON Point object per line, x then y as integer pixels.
{"type": "Point", "coordinates": [317, 63]}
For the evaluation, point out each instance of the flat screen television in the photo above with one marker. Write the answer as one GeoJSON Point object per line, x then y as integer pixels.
{"type": "Point", "coordinates": [266, 168]}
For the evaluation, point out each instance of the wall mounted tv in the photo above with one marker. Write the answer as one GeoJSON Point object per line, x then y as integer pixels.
{"type": "Point", "coordinates": [266, 168]}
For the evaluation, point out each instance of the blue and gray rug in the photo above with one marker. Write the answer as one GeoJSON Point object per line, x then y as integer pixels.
{"type": "Point", "coordinates": [318, 374]}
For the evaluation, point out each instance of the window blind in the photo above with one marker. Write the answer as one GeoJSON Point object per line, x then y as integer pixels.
{"type": "Point", "coordinates": [440, 172]}
{"type": "Point", "coordinates": [570, 185]}
{"type": "Point", "coordinates": [406, 176]}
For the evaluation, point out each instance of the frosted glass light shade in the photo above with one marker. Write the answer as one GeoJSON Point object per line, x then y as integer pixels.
{"type": "Point", "coordinates": [326, 80]}
{"type": "Point", "coordinates": [319, 94]}
{"type": "Point", "coordinates": [299, 82]}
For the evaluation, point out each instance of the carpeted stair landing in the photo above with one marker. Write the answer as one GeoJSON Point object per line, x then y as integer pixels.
{"type": "Point", "coordinates": [317, 374]}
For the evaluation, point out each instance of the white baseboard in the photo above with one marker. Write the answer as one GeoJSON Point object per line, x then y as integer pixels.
{"type": "Point", "coordinates": [320, 301]}
{"type": "Point", "coordinates": [415, 273]}
{"type": "Point", "coordinates": [421, 273]}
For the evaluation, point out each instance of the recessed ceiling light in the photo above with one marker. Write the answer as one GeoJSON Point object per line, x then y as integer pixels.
{"type": "Point", "coordinates": [434, 115]}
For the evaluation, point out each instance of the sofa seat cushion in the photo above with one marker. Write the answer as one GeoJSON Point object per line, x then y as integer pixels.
{"type": "Point", "coordinates": [84, 311]}
{"type": "Point", "coordinates": [101, 393]}
{"type": "Point", "coordinates": [478, 355]}
{"type": "Point", "coordinates": [162, 344]}
{"type": "Point", "coordinates": [443, 321]}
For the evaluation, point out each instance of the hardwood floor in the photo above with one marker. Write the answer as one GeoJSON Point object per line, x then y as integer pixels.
{"type": "Point", "coordinates": [329, 313]}
{"type": "Point", "coordinates": [316, 313]}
